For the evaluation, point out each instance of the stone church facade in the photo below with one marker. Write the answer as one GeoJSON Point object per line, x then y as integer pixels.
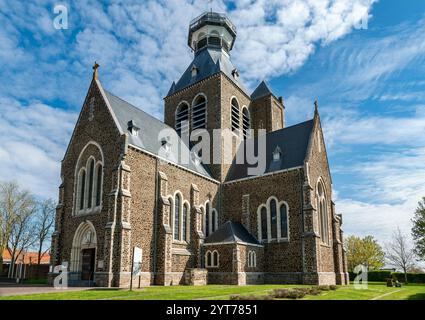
{"type": "Point", "coordinates": [124, 185]}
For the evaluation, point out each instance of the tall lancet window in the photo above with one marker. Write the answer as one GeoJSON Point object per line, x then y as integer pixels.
{"type": "Point", "coordinates": [246, 122]}
{"type": "Point", "coordinates": [199, 113]}
{"type": "Point", "coordinates": [182, 119]}
{"type": "Point", "coordinates": [235, 116]}
{"type": "Point", "coordinates": [322, 213]}
{"type": "Point", "coordinates": [177, 217]}
{"type": "Point", "coordinates": [90, 182]}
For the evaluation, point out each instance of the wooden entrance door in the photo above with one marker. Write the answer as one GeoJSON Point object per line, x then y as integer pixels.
{"type": "Point", "coordinates": [87, 269]}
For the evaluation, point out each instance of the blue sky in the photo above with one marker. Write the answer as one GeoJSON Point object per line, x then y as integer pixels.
{"type": "Point", "coordinates": [369, 79]}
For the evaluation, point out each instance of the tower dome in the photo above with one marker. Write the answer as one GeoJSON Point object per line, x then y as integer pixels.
{"type": "Point", "coordinates": [211, 29]}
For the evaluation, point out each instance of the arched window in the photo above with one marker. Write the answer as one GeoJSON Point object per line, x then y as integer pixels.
{"type": "Point", "coordinates": [185, 221]}
{"type": "Point", "coordinates": [283, 221]}
{"type": "Point", "coordinates": [207, 220]}
{"type": "Point", "coordinates": [273, 220]}
{"type": "Point", "coordinates": [322, 213]}
{"type": "Point", "coordinates": [90, 184]}
{"type": "Point", "coordinates": [263, 223]}
{"type": "Point", "coordinates": [215, 259]}
{"type": "Point", "coordinates": [252, 259]}
{"type": "Point", "coordinates": [208, 259]}
{"type": "Point", "coordinates": [210, 219]}
{"type": "Point", "coordinates": [235, 116]}
{"type": "Point", "coordinates": [177, 217]}
{"type": "Point", "coordinates": [246, 122]}
{"type": "Point", "coordinates": [99, 176]}
{"type": "Point", "coordinates": [81, 188]}
{"type": "Point", "coordinates": [212, 259]}
{"type": "Point", "coordinates": [88, 180]}
{"type": "Point", "coordinates": [182, 119]}
{"type": "Point", "coordinates": [199, 113]}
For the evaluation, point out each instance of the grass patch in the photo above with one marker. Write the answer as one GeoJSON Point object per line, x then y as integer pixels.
{"type": "Point", "coordinates": [377, 291]}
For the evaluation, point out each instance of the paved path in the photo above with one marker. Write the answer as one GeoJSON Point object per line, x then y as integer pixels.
{"type": "Point", "coordinates": [386, 294]}
{"type": "Point", "coordinates": [8, 289]}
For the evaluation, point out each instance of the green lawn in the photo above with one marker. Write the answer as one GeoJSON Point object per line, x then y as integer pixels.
{"type": "Point", "coordinates": [377, 291]}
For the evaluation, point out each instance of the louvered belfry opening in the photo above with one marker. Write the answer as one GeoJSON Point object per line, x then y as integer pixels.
{"type": "Point", "coordinates": [182, 119]}
{"type": "Point", "coordinates": [235, 116]}
{"type": "Point", "coordinates": [199, 113]}
{"type": "Point", "coordinates": [246, 123]}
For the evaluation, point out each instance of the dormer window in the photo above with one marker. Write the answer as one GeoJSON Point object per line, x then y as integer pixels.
{"type": "Point", "coordinates": [277, 154]}
{"type": "Point", "coordinates": [194, 71]}
{"type": "Point", "coordinates": [133, 128]}
{"type": "Point", "coordinates": [196, 158]}
{"type": "Point", "coordinates": [235, 73]}
{"type": "Point", "coordinates": [166, 145]}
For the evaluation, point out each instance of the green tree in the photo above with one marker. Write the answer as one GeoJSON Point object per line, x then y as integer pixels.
{"type": "Point", "coordinates": [418, 230]}
{"type": "Point", "coordinates": [365, 251]}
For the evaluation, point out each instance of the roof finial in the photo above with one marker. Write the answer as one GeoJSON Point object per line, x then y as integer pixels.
{"type": "Point", "coordinates": [316, 107]}
{"type": "Point", "coordinates": [95, 67]}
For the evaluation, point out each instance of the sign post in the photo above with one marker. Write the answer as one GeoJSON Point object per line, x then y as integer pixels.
{"type": "Point", "coordinates": [136, 264]}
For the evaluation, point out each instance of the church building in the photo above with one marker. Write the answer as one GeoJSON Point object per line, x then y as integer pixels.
{"type": "Point", "coordinates": [200, 220]}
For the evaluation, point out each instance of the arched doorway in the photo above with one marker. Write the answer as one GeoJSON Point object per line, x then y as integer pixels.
{"type": "Point", "coordinates": [83, 252]}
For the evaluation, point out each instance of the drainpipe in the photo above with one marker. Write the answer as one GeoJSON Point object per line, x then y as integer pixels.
{"type": "Point", "coordinates": [302, 221]}
{"type": "Point", "coordinates": [155, 220]}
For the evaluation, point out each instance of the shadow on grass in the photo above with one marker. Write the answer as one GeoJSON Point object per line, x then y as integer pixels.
{"type": "Point", "coordinates": [417, 296]}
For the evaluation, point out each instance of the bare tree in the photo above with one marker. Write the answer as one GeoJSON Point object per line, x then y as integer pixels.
{"type": "Point", "coordinates": [399, 254]}
{"type": "Point", "coordinates": [23, 233]}
{"type": "Point", "coordinates": [13, 201]}
{"type": "Point", "coordinates": [44, 223]}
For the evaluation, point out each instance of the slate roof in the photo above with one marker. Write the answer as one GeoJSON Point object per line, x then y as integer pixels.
{"type": "Point", "coordinates": [292, 142]}
{"type": "Point", "coordinates": [208, 61]}
{"type": "Point", "coordinates": [150, 127]}
{"type": "Point", "coordinates": [261, 91]}
{"type": "Point", "coordinates": [231, 232]}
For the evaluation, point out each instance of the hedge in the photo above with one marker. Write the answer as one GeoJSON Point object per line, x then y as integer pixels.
{"type": "Point", "coordinates": [382, 275]}
{"type": "Point", "coordinates": [411, 277]}
{"type": "Point", "coordinates": [378, 275]}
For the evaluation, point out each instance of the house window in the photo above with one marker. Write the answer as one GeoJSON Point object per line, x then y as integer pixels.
{"type": "Point", "coordinates": [252, 259]}
{"type": "Point", "coordinates": [212, 259]}
{"type": "Point", "coordinates": [235, 115]}
{"type": "Point", "coordinates": [273, 220]}
{"type": "Point", "coordinates": [246, 123]}
{"type": "Point", "coordinates": [182, 119]}
{"type": "Point", "coordinates": [322, 213]}
{"type": "Point", "coordinates": [199, 113]}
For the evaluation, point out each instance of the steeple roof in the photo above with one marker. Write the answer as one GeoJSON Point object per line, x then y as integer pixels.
{"type": "Point", "coordinates": [208, 62]}
{"type": "Point", "coordinates": [261, 91]}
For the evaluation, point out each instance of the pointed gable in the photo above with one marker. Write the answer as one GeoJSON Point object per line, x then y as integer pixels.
{"type": "Point", "coordinates": [261, 91]}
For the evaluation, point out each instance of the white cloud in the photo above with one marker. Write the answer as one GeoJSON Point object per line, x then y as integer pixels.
{"type": "Point", "coordinates": [33, 139]}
